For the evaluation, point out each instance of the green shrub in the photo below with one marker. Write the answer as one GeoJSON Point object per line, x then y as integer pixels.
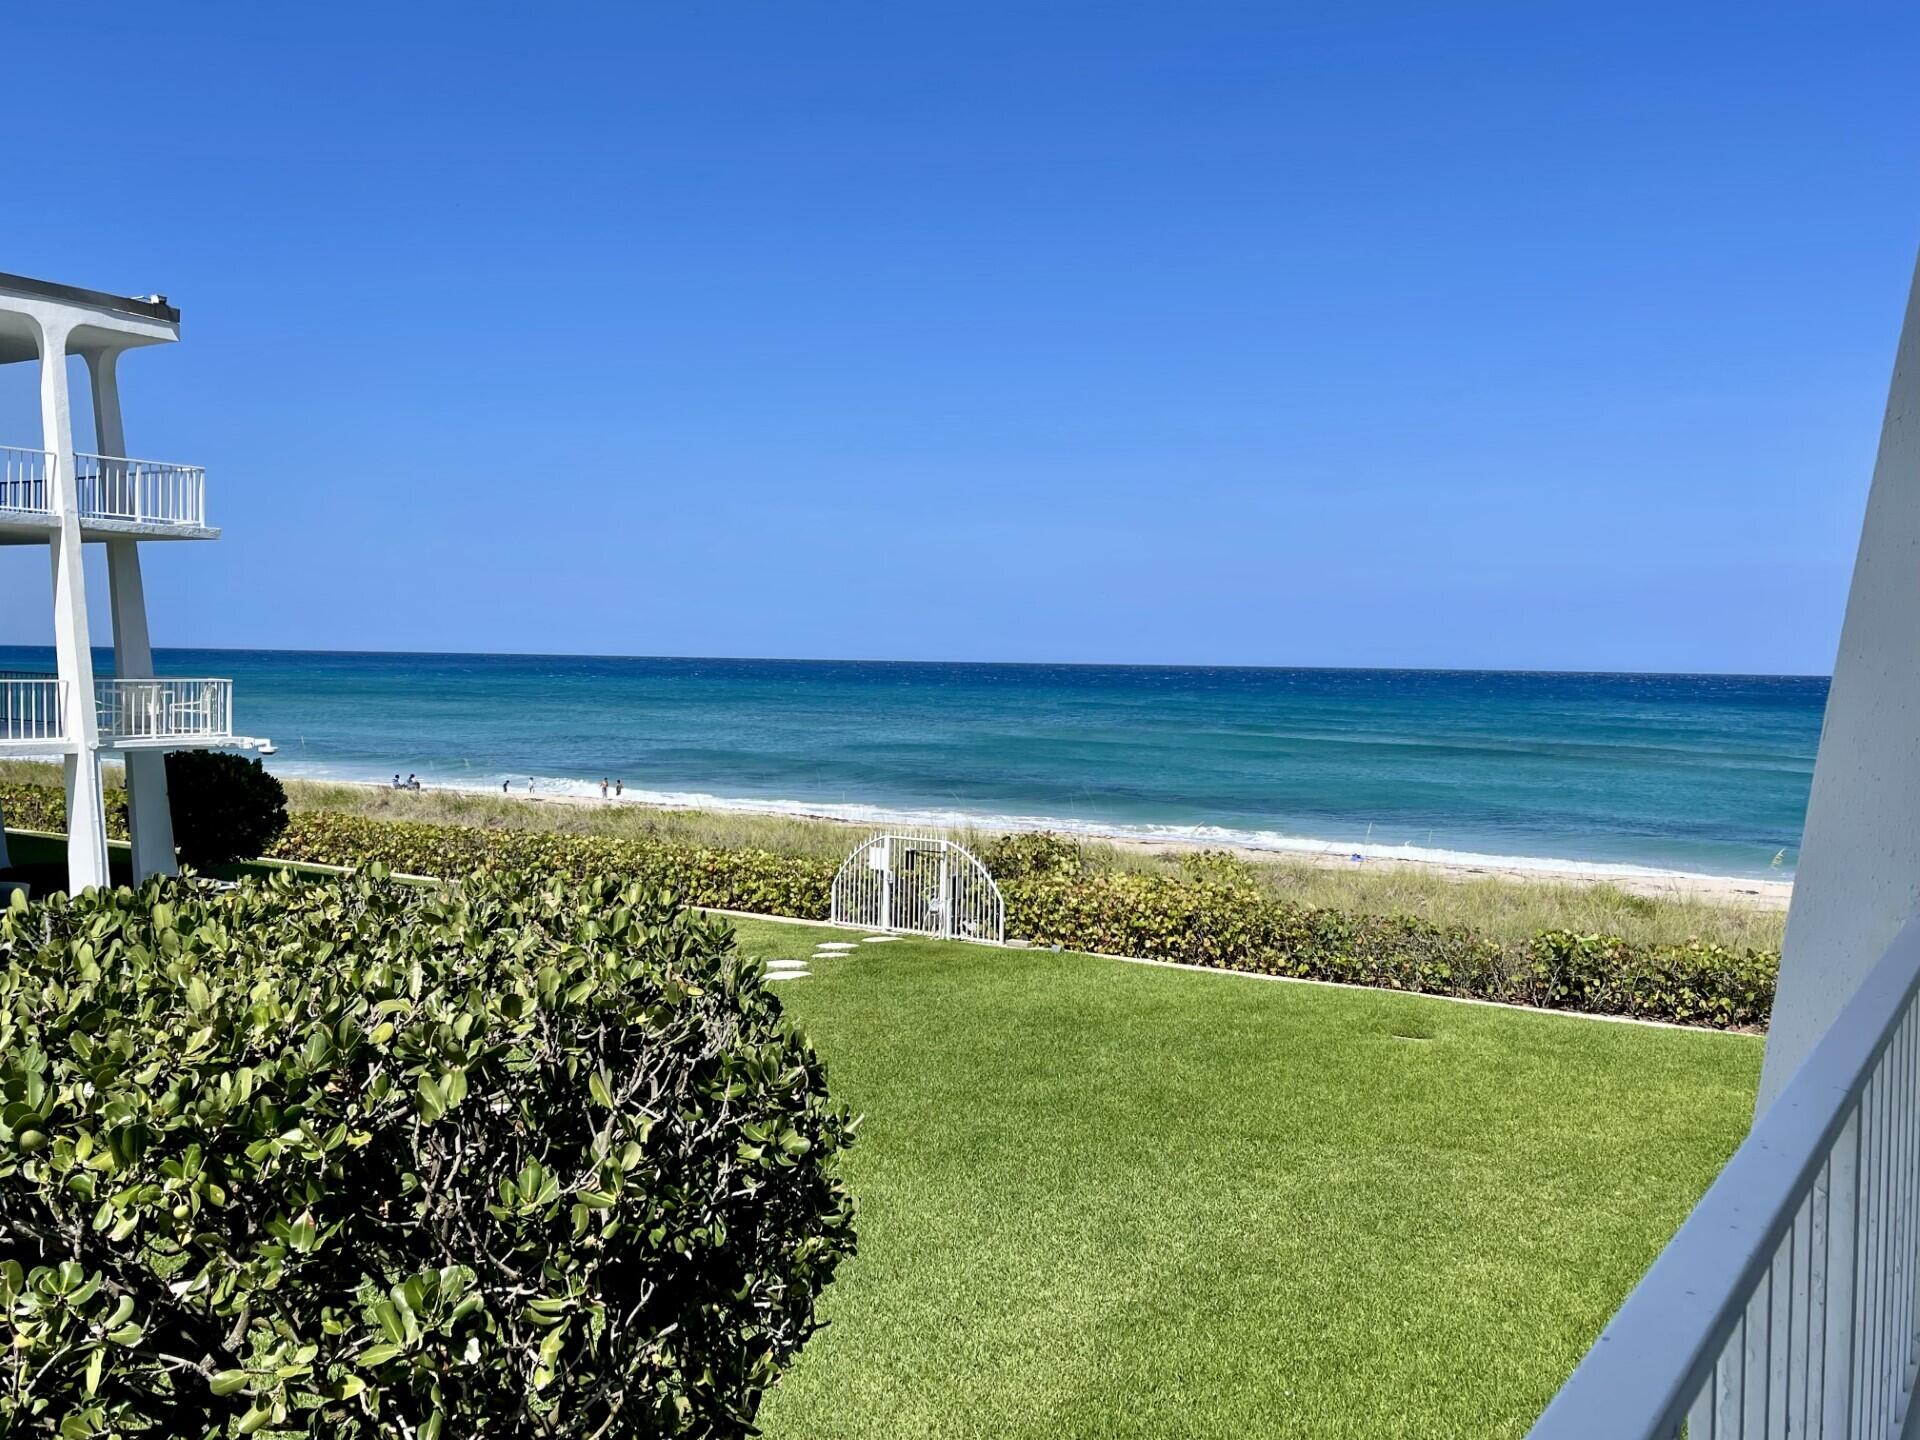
{"type": "Point", "coordinates": [513, 1158]}
{"type": "Point", "coordinates": [1215, 913]}
{"type": "Point", "coordinates": [1233, 924]}
{"type": "Point", "coordinates": [44, 807]}
{"type": "Point", "coordinates": [1222, 867]}
{"type": "Point", "coordinates": [225, 807]}
{"type": "Point", "coordinates": [754, 880]}
{"type": "Point", "coordinates": [1019, 854]}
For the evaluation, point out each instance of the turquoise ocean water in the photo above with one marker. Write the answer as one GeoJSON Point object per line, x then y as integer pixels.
{"type": "Point", "coordinates": [1700, 773]}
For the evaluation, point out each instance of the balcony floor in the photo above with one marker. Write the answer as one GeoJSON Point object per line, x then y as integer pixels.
{"type": "Point", "coordinates": [14, 749]}
{"type": "Point", "coordinates": [24, 527]}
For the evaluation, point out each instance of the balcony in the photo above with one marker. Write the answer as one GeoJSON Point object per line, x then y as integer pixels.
{"type": "Point", "coordinates": [156, 714]}
{"type": "Point", "coordinates": [113, 495]}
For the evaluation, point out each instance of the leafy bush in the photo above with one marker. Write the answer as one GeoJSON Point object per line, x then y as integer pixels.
{"type": "Point", "coordinates": [1234, 924]}
{"type": "Point", "coordinates": [1222, 867]}
{"type": "Point", "coordinates": [44, 807]}
{"type": "Point", "coordinates": [225, 807]}
{"type": "Point", "coordinates": [1215, 912]}
{"type": "Point", "coordinates": [753, 880]}
{"type": "Point", "coordinates": [1020, 854]}
{"type": "Point", "coordinates": [509, 1158]}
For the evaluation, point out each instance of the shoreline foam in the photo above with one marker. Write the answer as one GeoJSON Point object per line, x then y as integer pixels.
{"type": "Point", "coordinates": [1269, 847]}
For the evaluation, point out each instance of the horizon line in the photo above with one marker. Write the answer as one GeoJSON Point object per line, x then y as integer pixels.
{"type": "Point", "coordinates": [1004, 664]}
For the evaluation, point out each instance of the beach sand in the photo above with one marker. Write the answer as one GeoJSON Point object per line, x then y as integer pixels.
{"type": "Point", "coordinates": [1766, 894]}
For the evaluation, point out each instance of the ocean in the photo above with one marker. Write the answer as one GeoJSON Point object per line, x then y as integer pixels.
{"type": "Point", "coordinates": [1702, 773]}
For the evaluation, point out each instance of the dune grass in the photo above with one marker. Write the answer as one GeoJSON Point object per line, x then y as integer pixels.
{"type": "Point", "coordinates": [1515, 909]}
{"type": "Point", "coordinates": [1101, 1199]}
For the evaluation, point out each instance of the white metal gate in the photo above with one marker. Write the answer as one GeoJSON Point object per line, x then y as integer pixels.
{"type": "Point", "coordinates": [919, 885]}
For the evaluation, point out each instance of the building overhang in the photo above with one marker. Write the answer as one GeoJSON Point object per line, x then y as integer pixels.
{"type": "Point", "coordinates": [95, 320]}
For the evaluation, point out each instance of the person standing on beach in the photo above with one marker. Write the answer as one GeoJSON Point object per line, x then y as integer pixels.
{"type": "Point", "coordinates": [619, 788]}
{"type": "Point", "coordinates": [529, 785]}
{"type": "Point", "coordinates": [603, 787]}
{"type": "Point", "coordinates": [503, 786]}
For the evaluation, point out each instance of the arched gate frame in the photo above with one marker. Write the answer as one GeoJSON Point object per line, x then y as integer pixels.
{"type": "Point", "coordinates": [911, 884]}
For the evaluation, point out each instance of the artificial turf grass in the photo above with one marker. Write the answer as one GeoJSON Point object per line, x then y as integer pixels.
{"type": "Point", "coordinates": [1101, 1199]}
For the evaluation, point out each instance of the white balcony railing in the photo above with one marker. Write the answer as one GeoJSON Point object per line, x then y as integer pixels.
{"type": "Point", "coordinates": [111, 487]}
{"type": "Point", "coordinates": [1789, 1302]}
{"type": "Point", "coordinates": [30, 709]}
{"type": "Point", "coordinates": [158, 710]}
{"type": "Point", "coordinates": [23, 480]}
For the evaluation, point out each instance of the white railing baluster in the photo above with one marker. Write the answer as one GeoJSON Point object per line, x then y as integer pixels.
{"type": "Point", "coordinates": [1801, 1329]}
{"type": "Point", "coordinates": [1843, 1234]}
{"type": "Point", "coordinates": [1700, 1414]}
{"type": "Point", "coordinates": [1911, 1091]}
{"type": "Point", "coordinates": [1779, 1341]}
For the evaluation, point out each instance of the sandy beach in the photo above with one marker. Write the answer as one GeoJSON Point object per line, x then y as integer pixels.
{"type": "Point", "coordinates": [1764, 894]}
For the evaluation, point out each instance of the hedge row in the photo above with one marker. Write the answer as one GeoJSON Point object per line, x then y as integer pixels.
{"type": "Point", "coordinates": [1215, 914]}
{"type": "Point", "coordinates": [518, 1157]}
{"type": "Point", "coordinates": [756, 880]}
{"type": "Point", "coordinates": [44, 807]}
{"type": "Point", "coordinates": [1240, 927]}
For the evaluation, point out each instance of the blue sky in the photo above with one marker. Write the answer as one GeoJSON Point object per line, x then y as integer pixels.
{"type": "Point", "coordinates": [1533, 335]}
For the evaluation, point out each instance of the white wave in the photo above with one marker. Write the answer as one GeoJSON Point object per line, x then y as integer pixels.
{"type": "Point", "coordinates": [1214, 836]}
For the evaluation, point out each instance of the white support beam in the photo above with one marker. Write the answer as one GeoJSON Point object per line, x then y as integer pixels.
{"type": "Point", "coordinates": [86, 817]}
{"type": "Point", "coordinates": [149, 813]}
{"type": "Point", "coordinates": [1858, 880]}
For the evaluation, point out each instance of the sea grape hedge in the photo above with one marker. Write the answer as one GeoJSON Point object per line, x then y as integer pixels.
{"type": "Point", "coordinates": [519, 1157]}
{"type": "Point", "coordinates": [1212, 913]}
{"type": "Point", "coordinates": [44, 807]}
{"type": "Point", "coordinates": [1237, 926]}
{"type": "Point", "coordinates": [756, 880]}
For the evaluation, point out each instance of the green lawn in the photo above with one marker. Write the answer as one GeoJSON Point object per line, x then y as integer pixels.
{"type": "Point", "coordinates": [1101, 1199]}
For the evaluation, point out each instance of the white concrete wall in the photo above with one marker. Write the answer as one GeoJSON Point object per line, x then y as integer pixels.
{"type": "Point", "coordinates": [86, 817]}
{"type": "Point", "coordinates": [1859, 874]}
{"type": "Point", "coordinates": [149, 812]}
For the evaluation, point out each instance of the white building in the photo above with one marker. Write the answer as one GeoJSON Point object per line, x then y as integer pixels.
{"type": "Point", "coordinates": [59, 497]}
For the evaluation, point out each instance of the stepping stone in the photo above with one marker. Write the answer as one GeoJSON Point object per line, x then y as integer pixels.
{"type": "Point", "coordinates": [834, 945]}
{"type": "Point", "coordinates": [788, 974]}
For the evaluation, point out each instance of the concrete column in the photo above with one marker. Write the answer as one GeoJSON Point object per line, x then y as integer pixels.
{"type": "Point", "coordinates": [86, 819]}
{"type": "Point", "coordinates": [149, 816]}
{"type": "Point", "coordinates": [1859, 874]}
